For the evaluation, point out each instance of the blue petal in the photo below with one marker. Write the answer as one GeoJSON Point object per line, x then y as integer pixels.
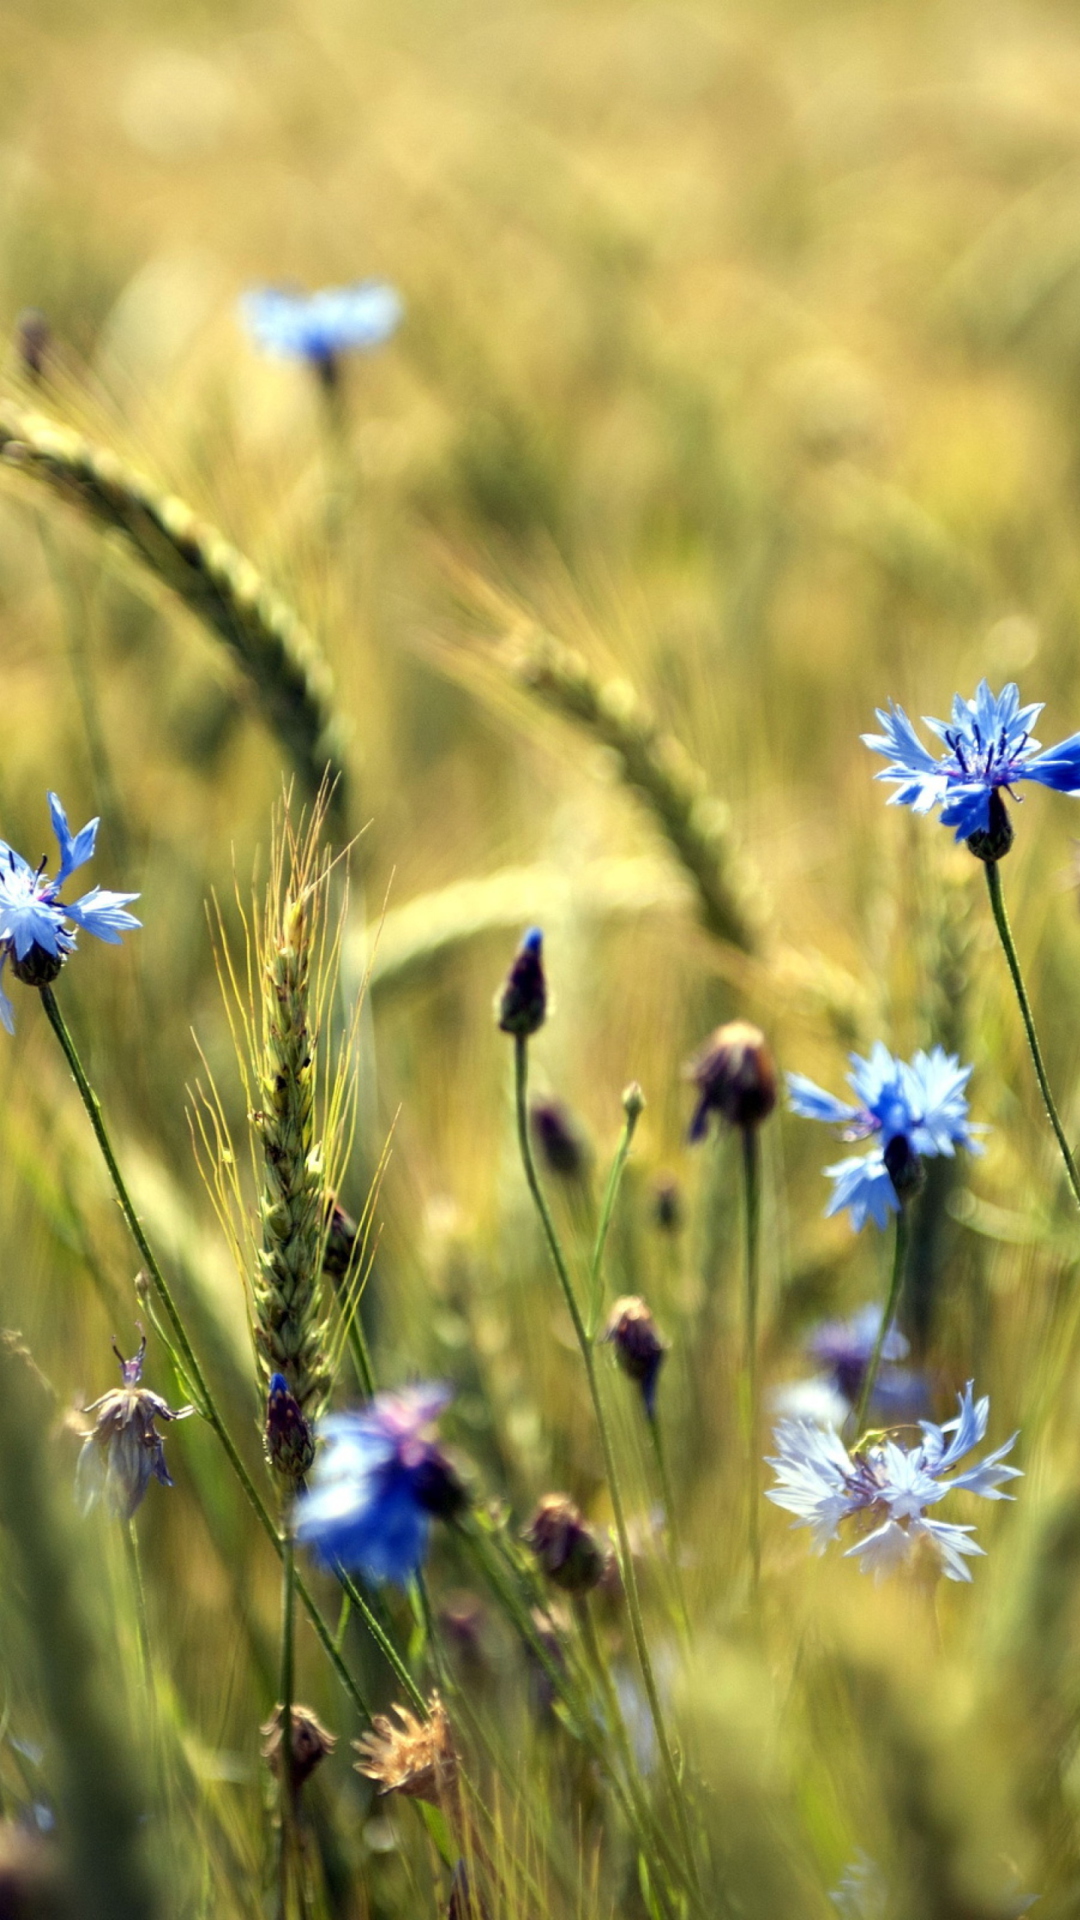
{"type": "Point", "coordinates": [7, 1011]}
{"type": "Point", "coordinates": [75, 850]}
{"type": "Point", "coordinates": [813, 1103]}
{"type": "Point", "coordinates": [863, 1186]}
{"type": "Point", "coordinates": [102, 914]}
{"type": "Point", "coordinates": [1058, 767]}
{"type": "Point", "coordinates": [968, 808]}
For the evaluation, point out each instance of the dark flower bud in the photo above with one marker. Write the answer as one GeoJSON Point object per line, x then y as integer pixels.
{"type": "Point", "coordinates": [522, 1004]}
{"type": "Point", "coordinates": [667, 1204]}
{"type": "Point", "coordinates": [569, 1552]}
{"type": "Point", "coordinates": [310, 1742]}
{"type": "Point", "coordinates": [903, 1166]}
{"type": "Point", "coordinates": [633, 1102]}
{"type": "Point", "coordinates": [735, 1077]}
{"type": "Point", "coordinates": [558, 1141]}
{"type": "Point", "coordinates": [33, 338]}
{"type": "Point", "coordinates": [437, 1487]}
{"type": "Point", "coordinates": [38, 967]}
{"type": "Point", "coordinates": [290, 1443]}
{"type": "Point", "coordinates": [639, 1349]}
{"type": "Point", "coordinates": [994, 843]}
{"type": "Point", "coordinates": [340, 1240]}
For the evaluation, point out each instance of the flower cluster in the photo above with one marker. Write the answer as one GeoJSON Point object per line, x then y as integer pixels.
{"type": "Point", "coordinates": [822, 1484]}
{"type": "Point", "coordinates": [989, 749]}
{"type": "Point", "coordinates": [378, 1479]}
{"type": "Point", "coordinates": [34, 931]}
{"type": "Point", "coordinates": [919, 1104]}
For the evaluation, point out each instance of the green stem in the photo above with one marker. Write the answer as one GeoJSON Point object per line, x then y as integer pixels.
{"type": "Point", "coordinates": [199, 1383]}
{"type": "Point", "coordinates": [287, 1804]}
{"type": "Point", "coordinates": [383, 1641]}
{"type": "Point", "coordinates": [652, 1421]}
{"type": "Point", "coordinates": [607, 1210]}
{"type": "Point", "coordinates": [1001, 920]}
{"type": "Point", "coordinates": [629, 1576]}
{"type": "Point", "coordinates": [752, 1220]}
{"type": "Point", "coordinates": [895, 1285]}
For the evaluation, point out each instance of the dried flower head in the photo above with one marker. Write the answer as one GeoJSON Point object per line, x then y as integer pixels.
{"type": "Point", "coordinates": [735, 1078]}
{"type": "Point", "coordinates": [639, 1348]}
{"type": "Point", "coordinates": [522, 1004]}
{"type": "Point", "coordinates": [416, 1758]}
{"type": "Point", "coordinates": [570, 1553]}
{"type": "Point", "coordinates": [124, 1447]}
{"type": "Point", "coordinates": [310, 1742]}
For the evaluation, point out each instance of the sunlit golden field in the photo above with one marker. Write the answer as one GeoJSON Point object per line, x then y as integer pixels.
{"type": "Point", "coordinates": [740, 356]}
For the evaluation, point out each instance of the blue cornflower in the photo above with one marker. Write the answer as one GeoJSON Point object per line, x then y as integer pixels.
{"type": "Point", "coordinates": [33, 930]}
{"type": "Point", "coordinates": [919, 1104]}
{"type": "Point", "coordinates": [990, 747]}
{"type": "Point", "coordinates": [822, 1484]}
{"type": "Point", "coordinates": [845, 1348]}
{"type": "Point", "coordinates": [317, 327]}
{"type": "Point", "coordinates": [377, 1480]}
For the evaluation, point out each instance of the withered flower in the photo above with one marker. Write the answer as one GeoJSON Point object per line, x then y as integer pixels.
{"type": "Point", "coordinates": [124, 1448]}
{"type": "Point", "coordinates": [735, 1078]}
{"type": "Point", "coordinates": [416, 1758]}
{"type": "Point", "coordinates": [310, 1742]}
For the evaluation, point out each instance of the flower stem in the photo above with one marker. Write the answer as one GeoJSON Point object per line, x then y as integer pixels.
{"type": "Point", "coordinates": [1001, 920]}
{"type": "Point", "coordinates": [287, 1804]}
{"type": "Point", "coordinates": [199, 1385]}
{"type": "Point", "coordinates": [633, 1599]}
{"type": "Point", "coordinates": [899, 1262]}
{"type": "Point", "coordinates": [752, 1221]}
{"type": "Point", "coordinates": [607, 1209]}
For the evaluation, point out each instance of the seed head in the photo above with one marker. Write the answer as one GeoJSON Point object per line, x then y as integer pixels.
{"type": "Point", "coordinates": [124, 1449]}
{"type": "Point", "coordinates": [735, 1077]}
{"type": "Point", "coordinates": [639, 1348]}
{"type": "Point", "coordinates": [522, 1004]}
{"type": "Point", "coordinates": [310, 1742]}
{"type": "Point", "coordinates": [570, 1553]}
{"type": "Point", "coordinates": [416, 1758]}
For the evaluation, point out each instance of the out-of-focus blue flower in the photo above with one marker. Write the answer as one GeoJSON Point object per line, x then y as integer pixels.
{"type": "Point", "coordinates": [989, 746]}
{"type": "Point", "coordinates": [844, 1348]}
{"type": "Point", "coordinates": [893, 1486]}
{"type": "Point", "coordinates": [378, 1478]}
{"type": "Point", "coordinates": [320, 326]}
{"type": "Point", "coordinates": [860, 1893]}
{"type": "Point", "coordinates": [920, 1101]}
{"type": "Point", "coordinates": [34, 934]}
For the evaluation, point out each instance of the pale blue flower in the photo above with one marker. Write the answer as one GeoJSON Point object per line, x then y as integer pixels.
{"type": "Point", "coordinates": [860, 1894]}
{"type": "Point", "coordinates": [377, 1480]}
{"type": "Point", "coordinates": [844, 1348]}
{"type": "Point", "coordinates": [990, 746]}
{"type": "Point", "coordinates": [34, 931]}
{"type": "Point", "coordinates": [320, 326]}
{"type": "Point", "coordinates": [920, 1100]}
{"type": "Point", "coordinates": [823, 1485]}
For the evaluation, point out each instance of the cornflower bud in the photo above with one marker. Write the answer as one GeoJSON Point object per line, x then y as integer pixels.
{"type": "Point", "coordinates": [667, 1204]}
{"type": "Point", "coordinates": [290, 1443]}
{"type": "Point", "coordinates": [735, 1077]}
{"type": "Point", "coordinates": [570, 1553]}
{"type": "Point", "coordinates": [559, 1143]}
{"type": "Point", "coordinates": [639, 1349]}
{"type": "Point", "coordinates": [310, 1742]}
{"type": "Point", "coordinates": [33, 338]}
{"type": "Point", "coordinates": [522, 1004]}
